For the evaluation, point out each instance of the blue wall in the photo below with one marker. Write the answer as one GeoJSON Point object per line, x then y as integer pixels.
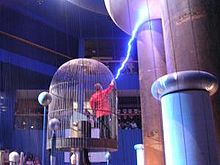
{"type": "Point", "coordinates": [29, 141]}
{"type": "Point", "coordinates": [126, 154]}
{"type": "Point", "coordinates": [24, 66]}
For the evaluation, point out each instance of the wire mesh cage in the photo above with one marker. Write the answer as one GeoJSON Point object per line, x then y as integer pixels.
{"type": "Point", "coordinates": [84, 100]}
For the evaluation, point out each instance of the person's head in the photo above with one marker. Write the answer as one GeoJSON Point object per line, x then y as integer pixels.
{"type": "Point", "coordinates": [98, 87]}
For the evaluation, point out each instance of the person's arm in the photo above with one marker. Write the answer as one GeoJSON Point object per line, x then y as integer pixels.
{"type": "Point", "coordinates": [92, 103]}
{"type": "Point", "coordinates": [110, 87]}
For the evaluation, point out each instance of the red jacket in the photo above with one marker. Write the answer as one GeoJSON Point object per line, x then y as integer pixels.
{"type": "Point", "coordinates": [99, 102]}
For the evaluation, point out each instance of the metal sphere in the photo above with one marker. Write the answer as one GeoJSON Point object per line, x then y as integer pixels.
{"type": "Point", "coordinates": [44, 98]}
{"type": "Point", "coordinates": [129, 12]}
{"type": "Point", "coordinates": [107, 156]}
{"type": "Point", "coordinates": [96, 6]}
{"type": "Point", "coordinates": [14, 157]}
{"type": "Point", "coordinates": [54, 124]}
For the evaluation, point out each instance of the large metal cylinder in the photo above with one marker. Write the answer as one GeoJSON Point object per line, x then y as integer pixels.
{"type": "Point", "coordinates": [188, 35]}
{"type": "Point", "coordinates": [189, 136]}
{"type": "Point", "coordinates": [191, 35]}
{"type": "Point", "coordinates": [151, 60]}
{"type": "Point", "coordinates": [152, 65]}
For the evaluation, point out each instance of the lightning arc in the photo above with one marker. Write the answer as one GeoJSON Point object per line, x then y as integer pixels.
{"type": "Point", "coordinates": [134, 32]}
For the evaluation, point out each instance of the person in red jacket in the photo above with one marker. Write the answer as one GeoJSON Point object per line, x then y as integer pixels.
{"type": "Point", "coordinates": [101, 108]}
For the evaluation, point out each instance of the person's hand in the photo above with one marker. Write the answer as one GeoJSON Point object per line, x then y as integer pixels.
{"type": "Point", "coordinates": [112, 82]}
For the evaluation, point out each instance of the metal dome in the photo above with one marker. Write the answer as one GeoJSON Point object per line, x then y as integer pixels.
{"type": "Point", "coordinates": [71, 88]}
{"type": "Point", "coordinates": [96, 6]}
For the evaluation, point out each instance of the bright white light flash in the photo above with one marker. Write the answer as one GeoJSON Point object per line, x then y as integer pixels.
{"type": "Point", "coordinates": [142, 17]}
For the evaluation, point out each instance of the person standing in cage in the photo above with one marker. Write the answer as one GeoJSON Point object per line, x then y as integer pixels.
{"type": "Point", "coordinates": [100, 105]}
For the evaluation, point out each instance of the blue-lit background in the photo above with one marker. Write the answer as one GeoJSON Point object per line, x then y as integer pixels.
{"type": "Point", "coordinates": [36, 37]}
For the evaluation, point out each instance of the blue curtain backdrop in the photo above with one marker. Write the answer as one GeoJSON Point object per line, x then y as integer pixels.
{"type": "Point", "coordinates": [126, 154]}
{"type": "Point", "coordinates": [29, 141]}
